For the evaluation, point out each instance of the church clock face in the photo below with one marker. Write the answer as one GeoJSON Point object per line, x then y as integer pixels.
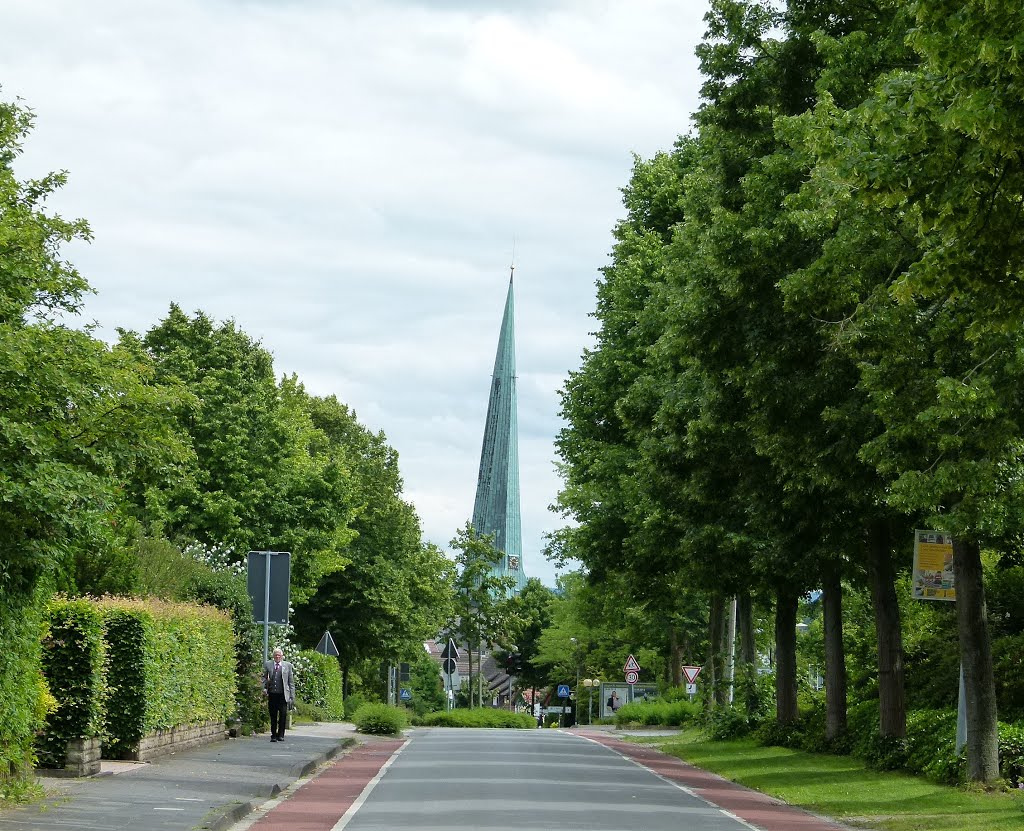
{"type": "Point", "coordinates": [513, 562]}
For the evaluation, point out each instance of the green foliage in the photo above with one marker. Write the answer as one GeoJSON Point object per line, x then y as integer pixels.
{"type": "Point", "coordinates": [425, 684]}
{"type": "Point", "coordinates": [479, 717]}
{"type": "Point", "coordinates": [191, 672]}
{"type": "Point", "coordinates": [72, 661]}
{"type": "Point", "coordinates": [726, 723]}
{"type": "Point", "coordinates": [650, 713]}
{"type": "Point", "coordinates": [318, 683]}
{"type": "Point", "coordinates": [354, 702]}
{"type": "Point", "coordinates": [380, 719]}
{"type": "Point", "coordinates": [24, 700]}
{"type": "Point", "coordinates": [1011, 753]}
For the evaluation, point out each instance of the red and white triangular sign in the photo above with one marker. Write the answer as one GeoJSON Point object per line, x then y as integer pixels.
{"type": "Point", "coordinates": [691, 674]}
{"type": "Point", "coordinates": [631, 665]}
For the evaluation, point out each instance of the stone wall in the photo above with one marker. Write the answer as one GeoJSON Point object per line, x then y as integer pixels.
{"type": "Point", "coordinates": [83, 758]}
{"type": "Point", "coordinates": [161, 742]}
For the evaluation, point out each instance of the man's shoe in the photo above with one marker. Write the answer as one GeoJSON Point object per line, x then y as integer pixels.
{"type": "Point", "coordinates": [280, 738]}
{"type": "Point", "coordinates": [273, 738]}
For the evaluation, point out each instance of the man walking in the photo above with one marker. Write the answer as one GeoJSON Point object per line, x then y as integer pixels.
{"type": "Point", "coordinates": [279, 685]}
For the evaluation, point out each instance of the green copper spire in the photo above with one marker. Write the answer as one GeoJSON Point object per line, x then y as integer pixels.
{"type": "Point", "coordinates": [496, 509]}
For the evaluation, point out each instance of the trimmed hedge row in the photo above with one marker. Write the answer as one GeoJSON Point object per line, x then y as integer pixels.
{"type": "Point", "coordinates": [121, 668]}
{"type": "Point", "coordinates": [72, 662]}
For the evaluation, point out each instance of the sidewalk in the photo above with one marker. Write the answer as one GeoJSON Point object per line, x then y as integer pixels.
{"type": "Point", "coordinates": [210, 787]}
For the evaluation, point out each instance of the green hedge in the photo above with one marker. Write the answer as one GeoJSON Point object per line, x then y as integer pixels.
{"type": "Point", "coordinates": [479, 717]}
{"type": "Point", "coordinates": [318, 685]}
{"type": "Point", "coordinates": [72, 662]}
{"type": "Point", "coordinates": [24, 696]}
{"type": "Point", "coordinates": [190, 673]}
{"type": "Point", "coordinates": [121, 668]}
{"type": "Point", "coordinates": [127, 632]}
{"type": "Point", "coordinates": [228, 592]}
{"type": "Point", "coordinates": [651, 713]}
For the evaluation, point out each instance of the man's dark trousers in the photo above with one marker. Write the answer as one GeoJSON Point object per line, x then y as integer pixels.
{"type": "Point", "coordinates": [278, 706]}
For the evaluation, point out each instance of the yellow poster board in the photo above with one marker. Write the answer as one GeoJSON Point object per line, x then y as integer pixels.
{"type": "Point", "coordinates": [933, 566]}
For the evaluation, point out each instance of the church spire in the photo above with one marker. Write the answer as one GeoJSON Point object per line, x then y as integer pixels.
{"type": "Point", "coordinates": [496, 508]}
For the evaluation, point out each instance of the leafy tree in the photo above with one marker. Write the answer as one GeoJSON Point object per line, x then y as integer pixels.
{"type": "Point", "coordinates": [483, 608]}
{"type": "Point", "coordinates": [257, 483]}
{"type": "Point", "coordinates": [395, 591]}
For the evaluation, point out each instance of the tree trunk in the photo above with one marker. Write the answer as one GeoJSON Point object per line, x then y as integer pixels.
{"type": "Point", "coordinates": [716, 631]}
{"type": "Point", "coordinates": [892, 704]}
{"type": "Point", "coordinates": [835, 657]}
{"type": "Point", "coordinates": [345, 685]}
{"type": "Point", "coordinates": [675, 660]}
{"type": "Point", "coordinates": [730, 652]}
{"type": "Point", "coordinates": [976, 660]}
{"type": "Point", "coordinates": [748, 652]}
{"type": "Point", "coordinates": [785, 657]}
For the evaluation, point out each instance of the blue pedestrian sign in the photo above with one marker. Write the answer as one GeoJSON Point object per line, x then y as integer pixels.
{"type": "Point", "coordinates": [563, 690]}
{"type": "Point", "coordinates": [405, 695]}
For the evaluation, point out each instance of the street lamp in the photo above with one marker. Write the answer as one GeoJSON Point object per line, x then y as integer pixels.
{"type": "Point", "coordinates": [575, 689]}
{"type": "Point", "coordinates": [591, 684]}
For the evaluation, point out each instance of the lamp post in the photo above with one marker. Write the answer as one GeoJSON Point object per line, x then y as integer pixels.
{"type": "Point", "coordinates": [576, 688]}
{"type": "Point", "coordinates": [590, 684]}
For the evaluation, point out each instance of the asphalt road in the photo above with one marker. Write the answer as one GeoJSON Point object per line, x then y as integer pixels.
{"type": "Point", "coordinates": [525, 779]}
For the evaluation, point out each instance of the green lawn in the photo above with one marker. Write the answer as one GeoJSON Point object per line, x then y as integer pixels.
{"type": "Point", "coordinates": [843, 788]}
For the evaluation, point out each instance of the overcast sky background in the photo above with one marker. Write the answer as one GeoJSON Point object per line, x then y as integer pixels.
{"type": "Point", "coordinates": [345, 180]}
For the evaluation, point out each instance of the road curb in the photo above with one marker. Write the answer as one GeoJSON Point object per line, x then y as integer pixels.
{"type": "Point", "coordinates": [220, 819]}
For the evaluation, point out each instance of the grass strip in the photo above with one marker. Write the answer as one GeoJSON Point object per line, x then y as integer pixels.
{"type": "Point", "coordinates": [843, 787]}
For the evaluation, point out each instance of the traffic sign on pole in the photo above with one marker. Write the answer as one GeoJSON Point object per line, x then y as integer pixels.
{"type": "Point", "coordinates": [631, 665]}
{"type": "Point", "coordinates": [691, 674]}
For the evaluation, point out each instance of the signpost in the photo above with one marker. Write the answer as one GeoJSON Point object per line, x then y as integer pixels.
{"type": "Point", "coordinates": [405, 695]}
{"type": "Point", "coordinates": [267, 579]}
{"type": "Point", "coordinates": [450, 670]}
{"type": "Point", "coordinates": [563, 693]}
{"type": "Point", "coordinates": [691, 674]}
{"type": "Point", "coordinates": [933, 580]}
{"type": "Point", "coordinates": [326, 645]}
{"type": "Point", "coordinates": [632, 670]}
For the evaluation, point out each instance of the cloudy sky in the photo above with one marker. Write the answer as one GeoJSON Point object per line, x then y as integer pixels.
{"type": "Point", "coordinates": [346, 180]}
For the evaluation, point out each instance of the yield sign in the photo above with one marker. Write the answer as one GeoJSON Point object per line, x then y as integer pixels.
{"type": "Point", "coordinates": [631, 665]}
{"type": "Point", "coordinates": [691, 674]}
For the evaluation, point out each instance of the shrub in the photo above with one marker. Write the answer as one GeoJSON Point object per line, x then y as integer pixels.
{"type": "Point", "coordinates": [380, 719]}
{"type": "Point", "coordinates": [1011, 753]}
{"type": "Point", "coordinates": [72, 658]}
{"type": "Point", "coordinates": [931, 746]}
{"type": "Point", "coordinates": [658, 712]}
{"type": "Point", "coordinates": [726, 723]}
{"type": "Point", "coordinates": [479, 717]}
{"type": "Point", "coordinates": [353, 702]}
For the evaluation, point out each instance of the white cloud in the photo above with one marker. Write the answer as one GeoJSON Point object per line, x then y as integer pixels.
{"type": "Point", "coordinates": [345, 180]}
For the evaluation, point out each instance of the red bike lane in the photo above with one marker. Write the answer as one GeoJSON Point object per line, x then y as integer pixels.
{"type": "Point", "coordinates": [764, 812]}
{"type": "Point", "coordinates": [322, 801]}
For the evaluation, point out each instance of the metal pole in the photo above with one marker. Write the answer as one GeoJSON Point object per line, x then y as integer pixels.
{"type": "Point", "coordinates": [266, 607]}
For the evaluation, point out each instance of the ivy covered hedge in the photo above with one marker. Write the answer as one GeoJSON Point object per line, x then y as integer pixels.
{"type": "Point", "coordinates": [121, 668]}
{"type": "Point", "coordinates": [318, 685]}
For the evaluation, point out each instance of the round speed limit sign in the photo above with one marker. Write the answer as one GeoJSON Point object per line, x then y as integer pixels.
{"type": "Point", "coordinates": [632, 677]}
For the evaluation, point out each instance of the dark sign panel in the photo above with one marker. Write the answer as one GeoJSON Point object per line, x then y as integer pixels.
{"type": "Point", "coordinates": [280, 575]}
